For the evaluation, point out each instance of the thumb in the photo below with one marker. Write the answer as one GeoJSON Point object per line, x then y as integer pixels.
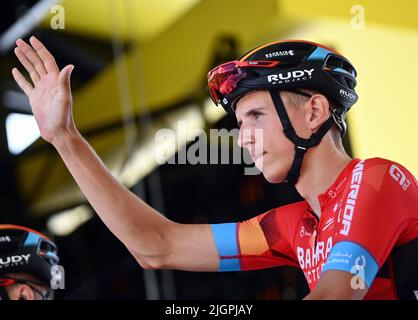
{"type": "Point", "coordinates": [64, 77]}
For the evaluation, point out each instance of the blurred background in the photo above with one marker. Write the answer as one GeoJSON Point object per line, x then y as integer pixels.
{"type": "Point", "coordinates": [141, 66]}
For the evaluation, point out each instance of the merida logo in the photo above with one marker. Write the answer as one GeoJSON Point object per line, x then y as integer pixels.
{"type": "Point", "coordinates": [14, 260]}
{"type": "Point", "coordinates": [352, 198]}
{"type": "Point", "coordinates": [293, 76]}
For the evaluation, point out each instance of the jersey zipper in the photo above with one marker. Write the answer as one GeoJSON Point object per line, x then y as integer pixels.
{"type": "Point", "coordinates": [314, 215]}
{"type": "Point", "coordinates": [317, 225]}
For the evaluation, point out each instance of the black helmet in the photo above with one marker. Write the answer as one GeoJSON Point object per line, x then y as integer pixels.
{"type": "Point", "coordinates": [289, 66]}
{"type": "Point", "coordinates": [285, 65]}
{"type": "Point", "coordinates": [26, 250]}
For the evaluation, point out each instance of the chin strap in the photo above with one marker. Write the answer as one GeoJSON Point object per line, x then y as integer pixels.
{"type": "Point", "coordinates": [301, 145]}
{"type": "Point", "coordinates": [3, 294]}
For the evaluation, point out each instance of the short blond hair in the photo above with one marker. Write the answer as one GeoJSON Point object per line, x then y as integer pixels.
{"type": "Point", "coordinates": [294, 100]}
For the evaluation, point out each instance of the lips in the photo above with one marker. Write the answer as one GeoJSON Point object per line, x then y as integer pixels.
{"type": "Point", "coordinates": [256, 157]}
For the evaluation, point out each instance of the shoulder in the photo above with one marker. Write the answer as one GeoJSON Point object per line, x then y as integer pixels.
{"type": "Point", "coordinates": [286, 216]}
{"type": "Point", "coordinates": [295, 208]}
{"type": "Point", "coordinates": [389, 173]}
{"type": "Point", "coordinates": [382, 186]}
{"type": "Point", "coordinates": [383, 163]}
{"type": "Point", "coordinates": [278, 215]}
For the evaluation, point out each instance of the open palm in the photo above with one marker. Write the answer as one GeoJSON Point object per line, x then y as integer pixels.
{"type": "Point", "coordinates": [50, 95]}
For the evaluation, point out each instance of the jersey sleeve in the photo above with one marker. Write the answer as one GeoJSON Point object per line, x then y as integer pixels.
{"type": "Point", "coordinates": [379, 208]}
{"type": "Point", "coordinates": [257, 243]}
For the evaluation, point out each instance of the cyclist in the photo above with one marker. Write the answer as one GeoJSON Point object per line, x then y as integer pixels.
{"type": "Point", "coordinates": [26, 259]}
{"type": "Point", "coordinates": [355, 234]}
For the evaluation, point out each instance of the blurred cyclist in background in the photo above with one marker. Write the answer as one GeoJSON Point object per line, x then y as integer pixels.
{"type": "Point", "coordinates": [26, 259]}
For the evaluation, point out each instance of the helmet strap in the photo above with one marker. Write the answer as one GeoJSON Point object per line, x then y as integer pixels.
{"type": "Point", "coordinates": [339, 115]}
{"type": "Point", "coordinates": [301, 144]}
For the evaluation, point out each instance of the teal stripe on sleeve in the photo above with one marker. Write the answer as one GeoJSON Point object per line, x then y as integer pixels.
{"type": "Point", "coordinates": [225, 236]}
{"type": "Point", "coordinates": [351, 257]}
{"type": "Point", "coordinates": [229, 265]}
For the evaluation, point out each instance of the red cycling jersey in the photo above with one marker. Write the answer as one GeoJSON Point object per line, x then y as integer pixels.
{"type": "Point", "coordinates": [368, 226]}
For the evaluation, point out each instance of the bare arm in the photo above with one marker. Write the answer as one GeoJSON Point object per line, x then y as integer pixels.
{"type": "Point", "coordinates": [337, 285]}
{"type": "Point", "coordinates": [155, 241]}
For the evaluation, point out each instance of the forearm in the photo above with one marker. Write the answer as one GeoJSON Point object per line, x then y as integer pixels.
{"type": "Point", "coordinates": [137, 225]}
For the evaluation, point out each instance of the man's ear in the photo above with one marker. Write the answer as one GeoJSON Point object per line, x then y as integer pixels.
{"type": "Point", "coordinates": [21, 292]}
{"type": "Point", "coordinates": [317, 112]}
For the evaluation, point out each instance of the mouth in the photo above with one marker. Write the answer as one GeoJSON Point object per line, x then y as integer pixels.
{"type": "Point", "coordinates": [256, 157]}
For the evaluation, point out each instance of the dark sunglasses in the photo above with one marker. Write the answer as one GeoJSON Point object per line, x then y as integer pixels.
{"type": "Point", "coordinates": [224, 78]}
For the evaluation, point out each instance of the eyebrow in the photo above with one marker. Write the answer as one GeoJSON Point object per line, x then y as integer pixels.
{"type": "Point", "coordinates": [250, 113]}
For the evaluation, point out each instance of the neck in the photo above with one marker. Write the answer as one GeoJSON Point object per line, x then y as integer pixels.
{"type": "Point", "coordinates": [321, 167]}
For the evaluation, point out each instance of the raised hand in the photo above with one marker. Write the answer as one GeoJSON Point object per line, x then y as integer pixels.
{"type": "Point", "coordinates": [50, 95]}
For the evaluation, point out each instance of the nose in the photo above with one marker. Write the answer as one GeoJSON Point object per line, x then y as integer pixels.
{"type": "Point", "coordinates": [245, 139]}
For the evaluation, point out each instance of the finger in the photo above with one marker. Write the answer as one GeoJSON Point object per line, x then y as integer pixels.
{"type": "Point", "coordinates": [64, 78]}
{"type": "Point", "coordinates": [47, 58]}
{"type": "Point", "coordinates": [31, 54]}
{"type": "Point", "coordinates": [22, 82]}
{"type": "Point", "coordinates": [28, 65]}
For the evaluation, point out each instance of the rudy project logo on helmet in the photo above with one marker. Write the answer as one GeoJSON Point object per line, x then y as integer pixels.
{"type": "Point", "coordinates": [346, 94]}
{"type": "Point", "coordinates": [293, 76]}
{"type": "Point", "coordinates": [279, 54]}
{"type": "Point", "coordinates": [14, 260]}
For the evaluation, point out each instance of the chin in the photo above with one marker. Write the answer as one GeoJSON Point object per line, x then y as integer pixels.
{"type": "Point", "coordinates": [274, 177]}
{"type": "Point", "coordinates": [276, 171]}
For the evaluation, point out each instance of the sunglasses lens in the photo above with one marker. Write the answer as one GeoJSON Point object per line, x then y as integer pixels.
{"type": "Point", "coordinates": [224, 79]}
{"type": "Point", "coordinates": [213, 94]}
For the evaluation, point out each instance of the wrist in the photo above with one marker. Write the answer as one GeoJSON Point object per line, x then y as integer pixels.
{"type": "Point", "coordinates": [65, 139]}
